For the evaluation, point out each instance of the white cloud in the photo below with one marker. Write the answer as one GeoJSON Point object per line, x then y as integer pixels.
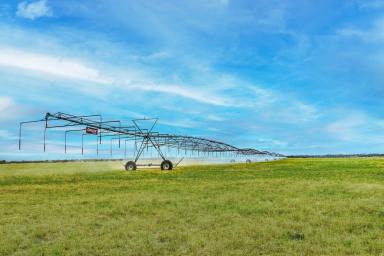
{"type": "Point", "coordinates": [190, 93]}
{"type": "Point", "coordinates": [224, 2]}
{"type": "Point", "coordinates": [270, 105]}
{"type": "Point", "coordinates": [223, 90]}
{"type": "Point", "coordinates": [263, 96]}
{"type": "Point", "coordinates": [8, 109]}
{"type": "Point", "coordinates": [277, 106]}
{"type": "Point", "coordinates": [49, 64]}
{"type": "Point", "coordinates": [373, 4]}
{"type": "Point", "coordinates": [102, 83]}
{"type": "Point", "coordinates": [33, 10]}
{"type": "Point", "coordinates": [357, 127]}
{"type": "Point", "coordinates": [214, 117]}
{"type": "Point", "coordinates": [346, 128]}
{"type": "Point", "coordinates": [187, 123]}
{"type": "Point", "coordinates": [288, 110]}
{"type": "Point", "coordinates": [273, 19]}
{"type": "Point", "coordinates": [375, 33]}
{"type": "Point", "coordinates": [72, 69]}
{"type": "Point", "coordinates": [5, 103]}
{"type": "Point", "coordinates": [6, 135]}
{"type": "Point", "coordinates": [307, 110]}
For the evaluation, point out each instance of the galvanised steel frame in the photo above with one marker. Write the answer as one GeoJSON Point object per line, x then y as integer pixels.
{"type": "Point", "coordinates": [142, 138]}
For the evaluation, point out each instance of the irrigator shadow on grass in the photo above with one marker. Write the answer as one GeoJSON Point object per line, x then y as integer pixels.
{"type": "Point", "coordinates": [142, 138]}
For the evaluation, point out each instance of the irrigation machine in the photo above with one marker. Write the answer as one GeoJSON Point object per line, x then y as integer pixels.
{"type": "Point", "coordinates": [141, 138]}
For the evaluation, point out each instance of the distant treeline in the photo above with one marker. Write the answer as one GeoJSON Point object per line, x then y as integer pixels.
{"type": "Point", "coordinates": [336, 156]}
{"type": "Point", "coordinates": [57, 161]}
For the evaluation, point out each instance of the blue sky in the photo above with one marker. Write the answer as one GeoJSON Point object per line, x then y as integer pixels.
{"type": "Point", "coordinates": [294, 77]}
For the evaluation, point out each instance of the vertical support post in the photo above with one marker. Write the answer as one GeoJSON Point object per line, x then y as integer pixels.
{"type": "Point", "coordinates": [119, 133]}
{"type": "Point", "coordinates": [45, 131]}
{"type": "Point", "coordinates": [20, 136]}
{"type": "Point", "coordinates": [125, 148]}
{"type": "Point", "coordinates": [167, 142]}
{"type": "Point", "coordinates": [135, 147]}
{"type": "Point", "coordinates": [97, 146]}
{"type": "Point", "coordinates": [101, 120]}
{"type": "Point", "coordinates": [82, 144]}
{"type": "Point", "coordinates": [110, 150]}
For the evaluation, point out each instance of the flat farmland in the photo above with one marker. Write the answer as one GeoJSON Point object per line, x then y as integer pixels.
{"type": "Point", "coordinates": [291, 206]}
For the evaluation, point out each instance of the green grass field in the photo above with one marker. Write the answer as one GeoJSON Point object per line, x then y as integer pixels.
{"type": "Point", "coordinates": [292, 206]}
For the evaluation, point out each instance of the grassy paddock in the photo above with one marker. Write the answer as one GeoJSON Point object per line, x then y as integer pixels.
{"type": "Point", "coordinates": [293, 206]}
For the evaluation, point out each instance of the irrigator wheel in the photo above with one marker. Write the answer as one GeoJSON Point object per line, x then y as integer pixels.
{"type": "Point", "coordinates": [130, 166]}
{"type": "Point", "coordinates": [166, 165]}
{"type": "Point", "coordinates": [248, 161]}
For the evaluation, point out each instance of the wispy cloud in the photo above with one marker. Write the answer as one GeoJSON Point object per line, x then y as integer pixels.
{"type": "Point", "coordinates": [9, 109]}
{"type": "Point", "coordinates": [185, 123]}
{"type": "Point", "coordinates": [260, 101]}
{"type": "Point", "coordinates": [190, 93]}
{"type": "Point", "coordinates": [372, 34]}
{"type": "Point", "coordinates": [33, 10]}
{"type": "Point", "coordinates": [5, 103]}
{"type": "Point", "coordinates": [353, 128]}
{"type": "Point", "coordinates": [6, 135]}
{"type": "Point", "coordinates": [77, 70]}
{"type": "Point", "coordinates": [373, 4]}
{"type": "Point", "coordinates": [277, 106]}
{"type": "Point", "coordinates": [49, 64]}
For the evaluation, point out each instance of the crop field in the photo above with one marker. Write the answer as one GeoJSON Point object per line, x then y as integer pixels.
{"type": "Point", "coordinates": [286, 207]}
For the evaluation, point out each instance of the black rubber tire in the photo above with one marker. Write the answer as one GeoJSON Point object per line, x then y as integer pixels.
{"type": "Point", "coordinates": [166, 165]}
{"type": "Point", "coordinates": [130, 166]}
{"type": "Point", "coordinates": [248, 161]}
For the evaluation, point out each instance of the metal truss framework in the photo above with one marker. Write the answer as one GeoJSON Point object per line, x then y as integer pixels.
{"type": "Point", "coordinates": [142, 138]}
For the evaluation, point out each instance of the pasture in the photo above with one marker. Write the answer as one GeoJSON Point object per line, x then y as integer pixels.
{"type": "Point", "coordinates": [286, 207]}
